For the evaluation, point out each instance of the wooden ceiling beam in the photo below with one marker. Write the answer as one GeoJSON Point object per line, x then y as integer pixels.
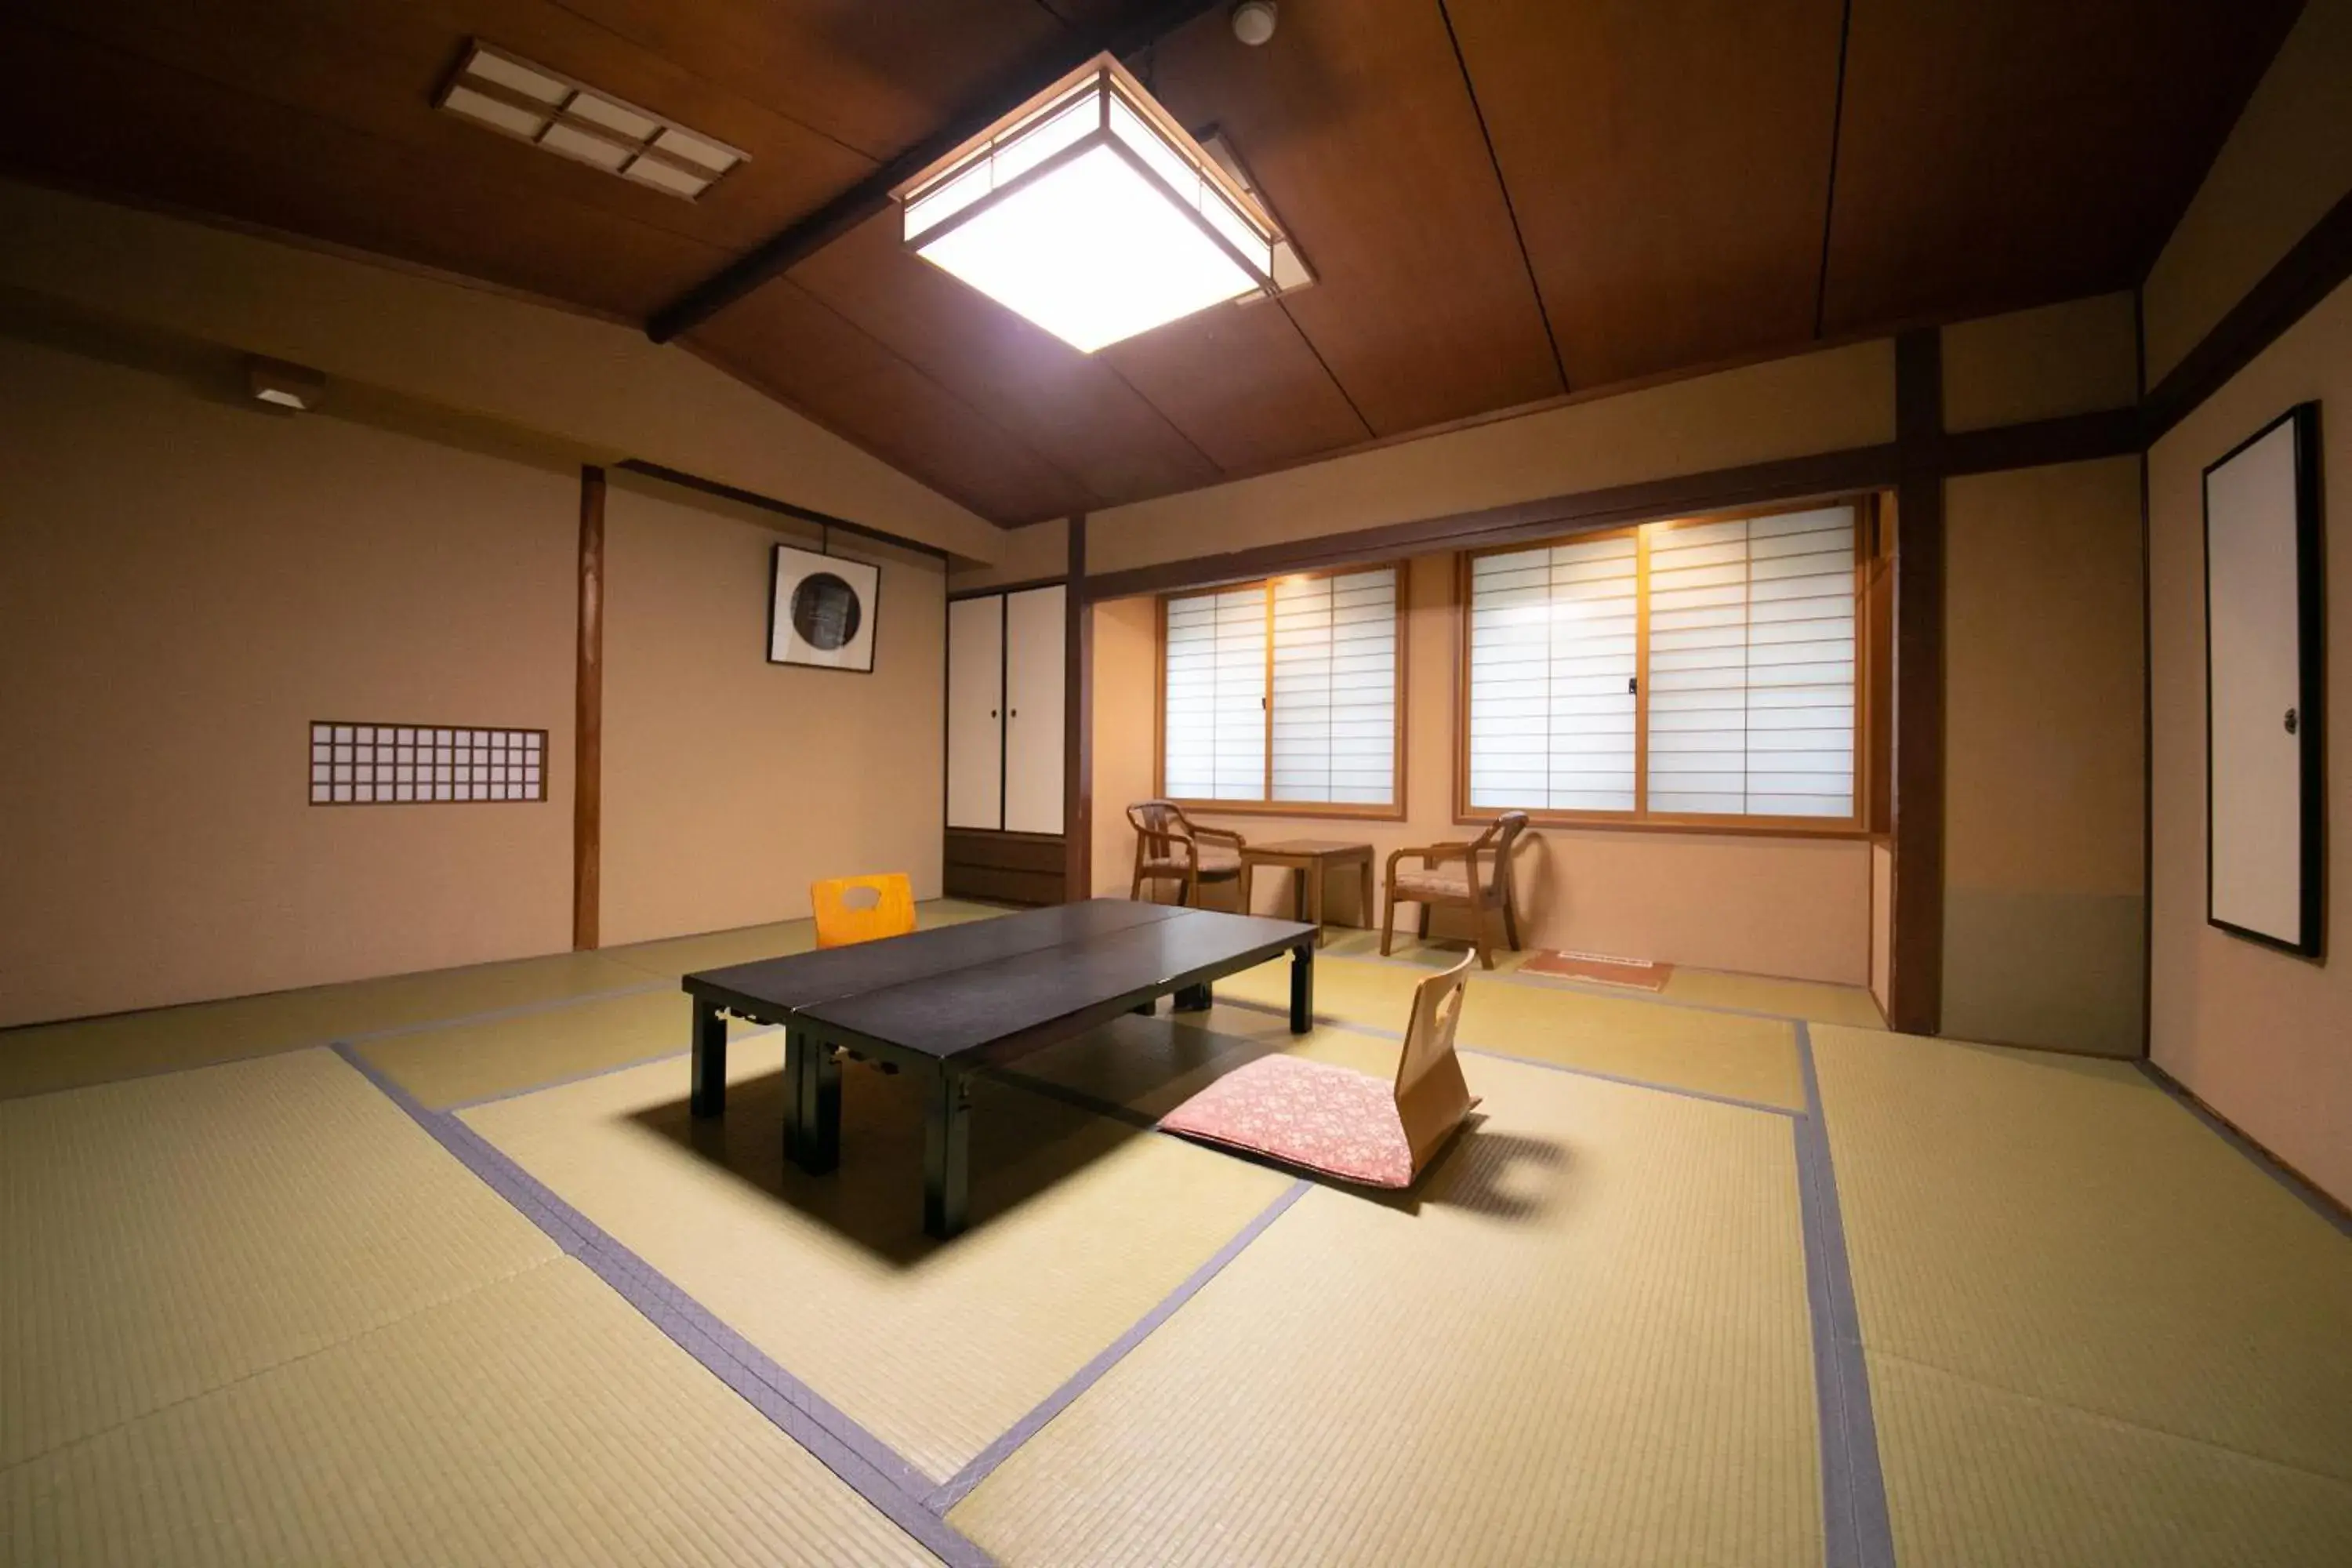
{"type": "Point", "coordinates": [871, 194]}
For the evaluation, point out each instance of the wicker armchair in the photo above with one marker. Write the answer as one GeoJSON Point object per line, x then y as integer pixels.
{"type": "Point", "coordinates": [1475, 876]}
{"type": "Point", "coordinates": [1172, 847]}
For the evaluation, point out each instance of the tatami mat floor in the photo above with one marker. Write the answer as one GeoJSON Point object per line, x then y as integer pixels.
{"type": "Point", "coordinates": [1725, 1274]}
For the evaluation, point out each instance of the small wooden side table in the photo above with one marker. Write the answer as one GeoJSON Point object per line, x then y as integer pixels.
{"type": "Point", "coordinates": [1310, 861]}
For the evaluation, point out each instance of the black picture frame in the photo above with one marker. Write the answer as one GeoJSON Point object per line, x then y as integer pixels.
{"type": "Point", "coordinates": [863, 577]}
{"type": "Point", "coordinates": [2311, 606]}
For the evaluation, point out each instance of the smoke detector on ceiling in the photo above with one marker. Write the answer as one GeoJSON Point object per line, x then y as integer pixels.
{"type": "Point", "coordinates": [1253, 21]}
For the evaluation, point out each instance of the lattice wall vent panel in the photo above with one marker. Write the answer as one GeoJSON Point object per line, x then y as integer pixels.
{"type": "Point", "coordinates": [397, 765]}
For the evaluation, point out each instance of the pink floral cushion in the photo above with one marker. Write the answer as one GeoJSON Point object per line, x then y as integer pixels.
{"type": "Point", "coordinates": [1312, 1114]}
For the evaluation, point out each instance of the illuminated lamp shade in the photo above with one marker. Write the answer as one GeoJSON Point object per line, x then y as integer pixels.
{"type": "Point", "coordinates": [1092, 213]}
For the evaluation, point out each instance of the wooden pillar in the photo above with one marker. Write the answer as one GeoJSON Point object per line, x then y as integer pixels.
{"type": "Point", "coordinates": [1915, 982]}
{"type": "Point", "coordinates": [588, 717]}
{"type": "Point", "coordinates": [1077, 725]}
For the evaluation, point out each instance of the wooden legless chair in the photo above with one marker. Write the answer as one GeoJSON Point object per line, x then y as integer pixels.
{"type": "Point", "coordinates": [1340, 1122]}
{"type": "Point", "coordinates": [1432, 1098]}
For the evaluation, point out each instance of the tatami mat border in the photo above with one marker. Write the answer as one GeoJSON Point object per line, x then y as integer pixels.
{"type": "Point", "coordinates": [960, 1485]}
{"type": "Point", "coordinates": [861, 1460]}
{"type": "Point", "coordinates": [1859, 1530]}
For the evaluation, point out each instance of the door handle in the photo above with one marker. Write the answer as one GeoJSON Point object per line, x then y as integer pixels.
{"type": "Point", "coordinates": [2291, 721]}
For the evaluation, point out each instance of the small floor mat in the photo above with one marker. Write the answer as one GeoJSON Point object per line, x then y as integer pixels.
{"type": "Point", "coordinates": [538, 1420]}
{"type": "Point", "coordinates": [1080, 1226]}
{"type": "Point", "coordinates": [1636, 973]}
{"type": "Point", "coordinates": [172, 1236]}
{"type": "Point", "coordinates": [1583, 1339]}
{"type": "Point", "coordinates": [1624, 1037]}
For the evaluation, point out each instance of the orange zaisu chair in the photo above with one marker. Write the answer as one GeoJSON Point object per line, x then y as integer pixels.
{"type": "Point", "coordinates": [862, 909]}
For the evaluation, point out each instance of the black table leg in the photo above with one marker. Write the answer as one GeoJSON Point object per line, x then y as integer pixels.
{"type": "Point", "coordinates": [815, 1139]}
{"type": "Point", "coordinates": [1147, 1009]}
{"type": "Point", "coordinates": [1302, 987]}
{"type": "Point", "coordinates": [1195, 998]}
{"type": "Point", "coordinates": [796, 1048]}
{"type": "Point", "coordinates": [709, 1093]}
{"type": "Point", "coordinates": [947, 1154]}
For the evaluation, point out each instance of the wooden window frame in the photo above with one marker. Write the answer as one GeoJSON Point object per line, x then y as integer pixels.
{"type": "Point", "coordinates": [1393, 811]}
{"type": "Point", "coordinates": [1854, 825]}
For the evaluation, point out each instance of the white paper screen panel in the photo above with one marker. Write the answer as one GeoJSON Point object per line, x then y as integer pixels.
{"type": "Point", "coordinates": [975, 712]}
{"type": "Point", "coordinates": [401, 764]}
{"type": "Point", "coordinates": [1553, 658]}
{"type": "Point", "coordinates": [1751, 678]}
{"type": "Point", "coordinates": [1215, 716]}
{"type": "Point", "coordinates": [2261, 716]}
{"type": "Point", "coordinates": [1035, 660]}
{"type": "Point", "coordinates": [1335, 675]}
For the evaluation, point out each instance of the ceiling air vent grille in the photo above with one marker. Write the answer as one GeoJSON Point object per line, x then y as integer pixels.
{"type": "Point", "coordinates": [546, 109]}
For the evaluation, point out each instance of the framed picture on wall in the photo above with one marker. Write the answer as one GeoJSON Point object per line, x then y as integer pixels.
{"type": "Point", "coordinates": [822, 610]}
{"type": "Point", "coordinates": [2265, 803]}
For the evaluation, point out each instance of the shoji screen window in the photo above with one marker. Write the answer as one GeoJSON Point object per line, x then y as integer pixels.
{"type": "Point", "coordinates": [1702, 672]}
{"type": "Point", "coordinates": [1752, 670]}
{"type": "Point", "coordinates": [1284, 695]}
{"type": "Point", "coordinates": [1554, 656]}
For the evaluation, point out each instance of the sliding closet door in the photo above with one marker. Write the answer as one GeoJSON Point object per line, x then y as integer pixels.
{"type": "Point", "coordinates": [975, 707]}
{"type": "Point", "coordinates": [1034, 683]}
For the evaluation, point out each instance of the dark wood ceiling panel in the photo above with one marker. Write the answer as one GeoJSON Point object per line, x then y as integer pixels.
{"type": "Point", "coordinates": [1665, 165]}
{"type": "Point", "coordinates": [791, 345]}
{"type": "Point", "coordinates": [1067, 406]}
{"type": "Point", "coordinates": [1242, 384]}
{"type": "Point", "coordinates": [876, 77]}
{"type": "Point", "coordinates": [374, 66]}
{"type": "Point", "coordinates": [1669, 164]}
{"type": "Point", "coordinates": [83, 114]}
{"type": "Point", "coordinates": [1997, 153]}
{"type": "Point", "coordinates": [1357, 125]}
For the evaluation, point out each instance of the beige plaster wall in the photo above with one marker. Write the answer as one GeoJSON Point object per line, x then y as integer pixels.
{"type": "Point", "coordinates": [2044, 758]}
{"type": "Point", "coordinates": [2075, 357]}
{"type": "Point", "coordinates": [1811, 403]}
{"type": "Point", "coordinates": [2286, 162]}
{"type": "Point", "coordinates": [1026, 555]}
{"type": "Point", "coordinates": [731, 784]}
{"type": "Point", "coordinates": [2263, 1036]}
{"type": "Point", "coordinates": [600, 384]}
{"type": "Point", "coordinates": [188, 582]}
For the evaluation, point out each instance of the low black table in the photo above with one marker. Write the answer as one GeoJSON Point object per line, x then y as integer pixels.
{"type": "Point", "coordinates": [945, 1003]}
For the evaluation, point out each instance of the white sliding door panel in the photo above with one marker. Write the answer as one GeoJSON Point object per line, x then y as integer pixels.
{"type": "Point", "coordinates": [2255, 725]}
{"type": "Point", "coordinates": [975, 712]}
{"type": "Point", "coordinates": [1033, 687]}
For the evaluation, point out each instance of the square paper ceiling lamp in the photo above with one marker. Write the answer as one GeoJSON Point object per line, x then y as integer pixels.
{"type": "Point", "coordinates": [1092, 213]}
